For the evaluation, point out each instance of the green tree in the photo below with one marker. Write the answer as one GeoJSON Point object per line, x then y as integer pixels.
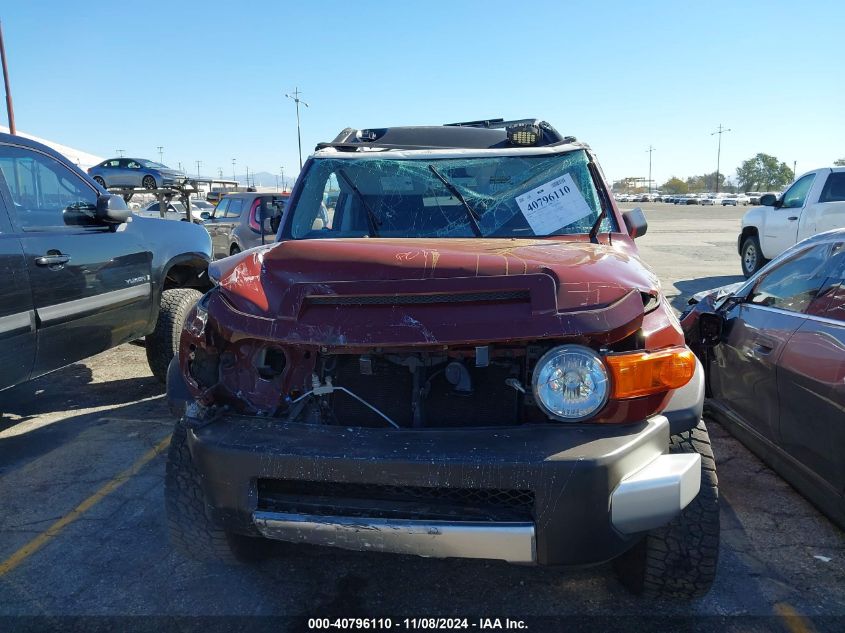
{"type": "Point", "coordinates": [763, 173]}
{"type": "Point", "coordinates": [674, 185]}
{"type": "Point", "coordinates": [839, 162]}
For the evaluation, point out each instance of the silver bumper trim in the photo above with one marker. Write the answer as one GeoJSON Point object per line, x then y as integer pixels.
{"type": "Point", "coordinates": [513, 542]}
{"type": "Point", "coordinates": [652, 496]}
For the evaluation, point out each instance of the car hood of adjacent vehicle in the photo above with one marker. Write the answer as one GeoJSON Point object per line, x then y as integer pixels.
{"type": "Point", "coordinates": [584, 274]}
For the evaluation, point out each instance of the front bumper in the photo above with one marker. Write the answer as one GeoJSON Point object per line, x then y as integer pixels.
{"type": "Point", "coordinates": [592, 489]}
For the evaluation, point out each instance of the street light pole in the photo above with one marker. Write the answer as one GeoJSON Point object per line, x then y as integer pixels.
{"type": "Point", "coordinates": [297, 100]}
{"type": "Point", "coordinates": [160, 153]}
{"type": "Point", "coordinates": [720, 131]}
{"type": "Point", "coordinates": [282, 171]}
{"type": "Point", "coordinates": [234, 177]}
{"type": "Point", "coordinates": [199, 162]}
{"type": "Point", "coordinates": [649, 150]}
{"type": "Point", "coordinates": [9, 109]}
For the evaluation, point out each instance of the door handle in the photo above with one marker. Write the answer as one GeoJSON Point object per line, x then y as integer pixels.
{"type": "Point", "coordinates": [792, 218]}
{"type": "Point", "coordinates": [53, 259]}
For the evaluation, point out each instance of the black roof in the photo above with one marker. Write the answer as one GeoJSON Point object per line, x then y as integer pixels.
{"type": "Point", "coordinates": [484, 134]}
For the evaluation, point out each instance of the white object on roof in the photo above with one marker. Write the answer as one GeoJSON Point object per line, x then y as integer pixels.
{"type": "Point", "coordinates": [83, 159]}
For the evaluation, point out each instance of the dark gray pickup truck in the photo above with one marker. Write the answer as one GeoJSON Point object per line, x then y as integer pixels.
{"type": "Point", "coordinates": [80, 273]}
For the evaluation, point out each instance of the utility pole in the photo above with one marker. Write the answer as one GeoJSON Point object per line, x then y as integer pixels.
{"type": "Point", "coordinates": [247, 176]}
{"type": "Point", "coordinates": [220, 173]}
{"type": "Point", "coordinates": [234, 177]}
{"type": "Point", "coordinates": [120, 152]}
{"type": "Point", "coordinates": [199, 162]}
{"type": "Point", "coordinates": [794, 166]}
{"type": "Point", "coordinates": [649, 150]}
{"type": "Point", "coordinates": [282, 172]}
{"type": "Point", "coordinates": [720, 131]}
{"type": "Point", "coordinates": [161, 154]}
{"type": "Point", "coordinates": [297, 100]}
{"type": "Point", "coordinates": [9, 109]}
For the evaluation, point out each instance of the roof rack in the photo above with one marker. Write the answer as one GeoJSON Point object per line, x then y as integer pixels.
{"type": "Point", "coordinates": [482, 134]}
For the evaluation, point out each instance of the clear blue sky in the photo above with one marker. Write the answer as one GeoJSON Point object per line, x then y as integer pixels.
{"type": "Point", "coordinates": [619, 75]}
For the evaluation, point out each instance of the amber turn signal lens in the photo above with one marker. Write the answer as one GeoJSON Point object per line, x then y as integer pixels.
{"type": "Point", "coordinates": [643, 374]}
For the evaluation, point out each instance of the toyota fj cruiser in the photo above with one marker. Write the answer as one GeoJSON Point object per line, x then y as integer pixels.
{"type": "Point", "coordinates": [462, 356]}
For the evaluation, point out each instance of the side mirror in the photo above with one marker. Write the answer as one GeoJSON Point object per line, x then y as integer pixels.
{"type": "Point", "coordinates": [112, 209]}
{"type": "Point", "coordinates": [710, 328]}
{"type": "Point", "coordinates": [205, 215]}
{"type": "Point", "coordinates": [635, 222]}
{"type": "Point", "coordinates": [768, 200]}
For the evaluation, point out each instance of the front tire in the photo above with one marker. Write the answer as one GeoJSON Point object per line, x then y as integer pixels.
{"type": "Point", "coordinates": [163, 344]}
{"type": "Point", "coordinates": [751, 257]}
{"type": "Point", "coordinates": [149, 182]}
{"type": "Point", "coordinates": [234, 250]}
{"type": "Point", "coordinates": [679, 560]}
{"type": "Point", "coordinates": [99, 180]}
{"type": "Point", "coordinates": [190, 529]}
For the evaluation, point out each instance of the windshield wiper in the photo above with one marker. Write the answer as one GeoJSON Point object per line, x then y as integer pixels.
{"type": "Point", "coordinates": [372, 218]}
{"type": "Point", "coordinates": [471, 214]}
{"type": "Point", "coordinates": [594, 230]}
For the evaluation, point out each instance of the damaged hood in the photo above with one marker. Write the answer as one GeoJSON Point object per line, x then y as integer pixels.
{"type": "Point", "coordinates": [585, 274]}
{"type": "Point", "coordinates": [402, 291]}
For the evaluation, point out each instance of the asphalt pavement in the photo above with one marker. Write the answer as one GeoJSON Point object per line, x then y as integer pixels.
{"type": "Point", "coordinates": [82, 530]}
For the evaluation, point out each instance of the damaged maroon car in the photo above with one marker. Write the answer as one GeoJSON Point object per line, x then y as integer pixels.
{"type": "Point", "coordinates": [452, 350]}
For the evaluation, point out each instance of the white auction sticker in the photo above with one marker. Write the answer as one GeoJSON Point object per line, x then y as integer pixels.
{"type": "Point", "coordinates": [552, 206]}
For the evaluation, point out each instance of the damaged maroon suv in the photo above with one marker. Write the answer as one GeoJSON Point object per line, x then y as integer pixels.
{"type": "Point", "coordinates": [452, 349]}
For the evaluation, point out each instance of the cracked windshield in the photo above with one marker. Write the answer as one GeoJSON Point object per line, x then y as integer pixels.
{"type": "Point", "coordinates": [513, 196]}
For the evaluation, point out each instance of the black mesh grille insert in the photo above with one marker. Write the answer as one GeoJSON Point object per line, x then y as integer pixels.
{"type": "Point", "coordinates": [463, 297]}
{"type": "Point", "coordinates": [354, 499]}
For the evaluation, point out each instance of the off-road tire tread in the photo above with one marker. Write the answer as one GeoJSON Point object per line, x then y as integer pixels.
{"type": "Point", "coordinates": [678, 561]}
{"type": "Point", "coordinates": [163, 344]}
{"type": "Point", "coordinates": [191, 531]}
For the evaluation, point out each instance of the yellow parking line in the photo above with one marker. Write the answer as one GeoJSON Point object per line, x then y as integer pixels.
{"type": "Point", "coordinates": [793, 620]}
{"type": "Point", "coordinates": [45, 537]}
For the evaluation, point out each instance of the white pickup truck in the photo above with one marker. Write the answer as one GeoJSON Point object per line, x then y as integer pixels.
{"type": "Point", "coordinates": [812, 204]}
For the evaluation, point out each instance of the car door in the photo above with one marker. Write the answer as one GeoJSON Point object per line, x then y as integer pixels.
{"type": "Point", "coordinates": [811, 383]}
{"type": "Point", "coordinates": [17, 316]}
{"type": "Point", "coordinates": [743, 377]}
{"type": "Point", "coordinates": [212, 224]}
{"type": "Point", "coordinates": [90, 283]}
{"type": "Point", "coordinates": [829, 212]}
{"type": "Point", "coordinates": [781, 228]}
{"type": "Point", "coordinates": [227, 225]}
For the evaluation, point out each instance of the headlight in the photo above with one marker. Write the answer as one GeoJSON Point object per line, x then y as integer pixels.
{"type": "Point", "coordinates": [570, 383]}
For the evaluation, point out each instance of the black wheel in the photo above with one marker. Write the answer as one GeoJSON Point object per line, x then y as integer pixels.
{"type": "Point", "coordinates": [234, 250]}
{"type": "Point", "coordinates": [751, 256]}
{"type": "Point", "coordinates": [679, 560]}
{"type": "Point", "coordinates": [99, 180]}
{"type": "Point", "coordinates": [149, 182]}
{"type": "Point", "coordinates": [163, 343]}
{"type": "Point", "coordinates": [191, 531]}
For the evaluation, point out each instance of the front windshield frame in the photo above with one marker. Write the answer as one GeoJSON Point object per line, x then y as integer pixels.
{"type": "Point", "coordinates": [523, 173]}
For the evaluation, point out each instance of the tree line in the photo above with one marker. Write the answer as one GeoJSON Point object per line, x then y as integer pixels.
{"type": "Point", "coordinates": [759, 173]}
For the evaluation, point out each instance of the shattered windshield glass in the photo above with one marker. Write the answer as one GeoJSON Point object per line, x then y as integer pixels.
{"type": "Point", "coordinates": [496, 196]}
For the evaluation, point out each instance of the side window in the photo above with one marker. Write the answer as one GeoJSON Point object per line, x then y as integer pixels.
{"type": "Point", "coordinates": [830, 302]}
{"type": "Point", "coordinates": [794, 283]}
{"type": "Point", "coordinates": [834, 188]}
{"type": "Point", "coordinates": [220, 210]}
{"type": "Point", "coordinates": [133, 165]}
{"type": "Point", "coordinates": [111, 164]}
{"type": "Point", "coordinates": [236, 205]}
{"type": "Point", "coordinates": [797, 193]}
{"type": "Point", "coordinates": [45, 193]}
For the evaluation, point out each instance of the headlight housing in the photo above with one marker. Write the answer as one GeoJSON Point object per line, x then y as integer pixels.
{"type": "Point", "coordinates": [570, 383]}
